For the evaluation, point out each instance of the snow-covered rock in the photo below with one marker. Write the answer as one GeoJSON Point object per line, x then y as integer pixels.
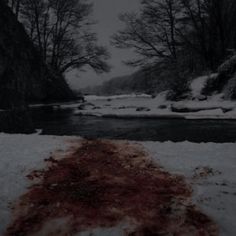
{"type": "Point", "coordinates": [19, 155]}
{"type": "Point", "coordinates": [198, 85]}
{"type": "Point", "coordinates": [212, 108]}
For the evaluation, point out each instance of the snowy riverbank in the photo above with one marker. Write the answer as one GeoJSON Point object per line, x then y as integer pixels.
{"type": "Point", "coordinates": [159, 107]}
{"type": "Point", "coordinates": [210, 169]}
{"type": "Point", "coordinates": [196, 105]}
{"type": "Point", "coordinates": [144, 106]}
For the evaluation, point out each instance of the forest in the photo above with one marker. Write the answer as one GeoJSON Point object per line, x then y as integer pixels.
{"type": "Point", "coordinates": [174, 41]}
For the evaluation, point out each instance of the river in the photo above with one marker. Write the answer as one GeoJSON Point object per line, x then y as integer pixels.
{"type": "Point", "coordinates": [64, 122]}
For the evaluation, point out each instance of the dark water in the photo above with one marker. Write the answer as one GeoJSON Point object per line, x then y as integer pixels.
{"type": "Point", "coordinates": [63, 122]}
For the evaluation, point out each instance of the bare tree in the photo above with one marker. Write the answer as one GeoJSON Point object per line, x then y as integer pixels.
{"type": "Point", "coordinates": [193, 33]}
{"type": "Point", "coordinates": [73, 45]}
{"type": "Point", "coordinates": [61, 31]}
{"type": "Point", "coordinates": [152, 33]}
{"type": "Point", "coordinates": [210, 29]}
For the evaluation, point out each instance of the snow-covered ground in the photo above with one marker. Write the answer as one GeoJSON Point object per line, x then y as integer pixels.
{"type": "Point", "coordinates": [209, 167]}
{"type": "Point", "coordinates": [19, 155]}
{"type": "Point", "coordinates": [130, 106]}
{"type": "Point", "coordinates": [199, 83]}
{"type": "Point", "coordinates": [211, 170]}
{"type": "Point", "coordinates": [159, 107]}
{"type": "Point", "coordinates": [197, 106]}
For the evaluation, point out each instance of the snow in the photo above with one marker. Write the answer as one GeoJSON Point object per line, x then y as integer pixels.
{"type": "Point", "coordinates": [123, 96]}
{"type": "Point", "coordinates": [145, 106]}
{"type": "Point", "coordinates": [198, 84]}
{"type": "Point", "coordinates": [159, 107]}
{"type": "Point", "coordinates": [20, 154]}
{"type": "Point", "coordinates": [131, 106]}
{"type": "Point", "coordinates": [214, 194]}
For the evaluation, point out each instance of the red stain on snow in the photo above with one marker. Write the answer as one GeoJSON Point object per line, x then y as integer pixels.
{"type": "Point", "coordinates": [99, 185]}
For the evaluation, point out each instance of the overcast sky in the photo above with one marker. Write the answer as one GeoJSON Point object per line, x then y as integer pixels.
{"type": "Point", "coordinates": [106, 13]}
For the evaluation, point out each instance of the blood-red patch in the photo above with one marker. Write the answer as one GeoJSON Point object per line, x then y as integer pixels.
{"type": "Point", "coordinates": [99, 185]}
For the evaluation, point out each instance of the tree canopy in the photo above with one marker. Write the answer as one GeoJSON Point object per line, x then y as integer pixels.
{"type": "Point", "coordinates": [193, 33]}
{"type": "Point", "coordinates": [62, 32]}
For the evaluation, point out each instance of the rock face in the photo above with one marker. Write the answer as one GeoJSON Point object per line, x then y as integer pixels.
{"type": "Point", "coordinates": [24, 78]}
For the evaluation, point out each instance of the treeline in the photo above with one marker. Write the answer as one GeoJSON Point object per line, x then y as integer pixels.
{"type": "Point", "coordinates": [182, 38]}
{"type": "Point", "coordinates": [142, 81]}
{"type": "Point", "coordinates": [61, 31]}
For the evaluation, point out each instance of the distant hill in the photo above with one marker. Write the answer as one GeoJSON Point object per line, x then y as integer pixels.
{"type": "Point", "coordinates": [142, 81]}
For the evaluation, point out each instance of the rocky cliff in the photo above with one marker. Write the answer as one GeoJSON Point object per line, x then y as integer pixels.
{"type": "Point", "coordinates": [24, 78]}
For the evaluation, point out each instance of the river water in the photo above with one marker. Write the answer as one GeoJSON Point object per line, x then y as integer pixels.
{"type": "Point", "coordinates": [64, 122]}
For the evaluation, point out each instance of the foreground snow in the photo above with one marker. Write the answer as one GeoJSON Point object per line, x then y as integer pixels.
{"type": "Point", "coordinates": [20, 154]}
{"type": "Point", "coordinates": [210, 168]}
{"type": "Point", "coordinates": [214, 193]}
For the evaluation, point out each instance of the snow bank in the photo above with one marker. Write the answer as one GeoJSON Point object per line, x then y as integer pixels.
{"type": "Point", "coordinates": [143, 105]}
{"type": "Point", "coordinates": [199, 83]}
{"type": "Point", "coordinates": [214, 194]}
{"type": "Point", "coordinates": [159, 107]}
{"type": "Point", "coordinates": [123, 96]}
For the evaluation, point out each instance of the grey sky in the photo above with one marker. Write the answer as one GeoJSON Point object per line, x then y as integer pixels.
{"type": "Point", "coordinates": [106, 13]}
